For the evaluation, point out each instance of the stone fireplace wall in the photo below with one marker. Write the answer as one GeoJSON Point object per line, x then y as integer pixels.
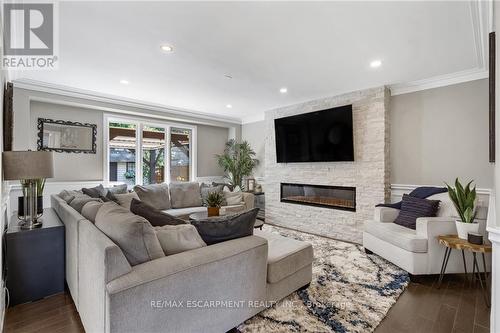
{"type": "Point", "coordinates": [369, 173]}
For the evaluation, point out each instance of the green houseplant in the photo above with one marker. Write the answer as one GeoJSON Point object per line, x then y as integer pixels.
{"type": "Point", "coordinates": [464, 200]}
{"type": "Point", "coordinates": [237, 161]}
{"type": "Point", "coordinates": [214, 202]}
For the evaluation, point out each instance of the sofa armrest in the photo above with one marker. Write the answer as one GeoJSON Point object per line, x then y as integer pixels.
{"type": "Point", "coordinates": [386, 214]}
{"type": "Point", "coordinates": [248, 200]}
{"type": "Point", "coordinates": [431, 227]}
{"type": "Point", "coordinates": [171, 265]}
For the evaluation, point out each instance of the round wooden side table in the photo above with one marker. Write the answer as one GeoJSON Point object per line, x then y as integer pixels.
{"type": "Point", "coordinates": [452, 242]}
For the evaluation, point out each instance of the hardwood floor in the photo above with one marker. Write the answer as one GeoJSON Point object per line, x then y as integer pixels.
{"type": "Point", "coordinates": [457, 307]}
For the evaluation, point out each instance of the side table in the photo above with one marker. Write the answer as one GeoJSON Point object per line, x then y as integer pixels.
{"type": "Point", "coordinates": [452, 242]}
{"type": "Point", "coordinates": [35, 259]}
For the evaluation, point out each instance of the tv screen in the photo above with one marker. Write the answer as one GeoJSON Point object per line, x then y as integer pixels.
{"type": "Point", "coordinates": [320, 136]}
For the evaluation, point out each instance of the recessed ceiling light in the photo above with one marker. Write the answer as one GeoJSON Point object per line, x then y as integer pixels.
{"type": "Point", "coordinates": [124, 82]}
{"type": "Point", "coordinates": [283, 90]}
{"type": "Point", "coordinates": [376, 63]}
{"type": "Point", "coordinates": [229, 106]}
{"type": "Point", "coordinates": [167, 48]}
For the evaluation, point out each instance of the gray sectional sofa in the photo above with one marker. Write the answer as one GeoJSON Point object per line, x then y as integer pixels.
{"type": "Point", "coordinates": [209, 289]}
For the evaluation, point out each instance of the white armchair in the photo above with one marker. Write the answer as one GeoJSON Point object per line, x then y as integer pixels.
{"type": "Point", "coordinates": [416, 251]}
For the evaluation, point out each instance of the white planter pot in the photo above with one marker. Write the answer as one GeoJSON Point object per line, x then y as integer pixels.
{"type": "Point", "coordinates": [464, 228]}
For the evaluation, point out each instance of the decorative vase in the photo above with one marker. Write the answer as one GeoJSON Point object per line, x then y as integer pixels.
{"type": "Point", "coordinates": [464, 228]}
{"type": "Point", "coordinates": [20, 206]}
{"type": "Point", "coordinates": [213, 211]}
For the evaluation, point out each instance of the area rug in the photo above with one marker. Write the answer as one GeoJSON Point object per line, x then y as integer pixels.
{"type": "Point", "coordinates": [350, 291]}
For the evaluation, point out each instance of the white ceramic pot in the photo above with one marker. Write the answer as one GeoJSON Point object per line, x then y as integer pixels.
{"type": "Point", "coordinates": [464, 228]}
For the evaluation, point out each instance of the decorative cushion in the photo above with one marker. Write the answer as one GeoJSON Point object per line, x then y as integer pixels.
{"type": "Point", "coordinates": [69, 195]}
{"type": "Point", "coordinates": [118, 189]}
{"type": "Point", "coordinates": [207, 189]}
{"type": "Point", "coordinates": [78, 202]}
{"type": "Point", "coordinates": [124, 200]}
{"type": "Point", "coordinates": [155, 195]}
{"type": "Point", "coordinates": [95, 192]}
{"type": "Point", "coordinates": [89, 210]}
{"type": "Point", "coordinates": [154, 216]}
{"type": "Point", "coordinates": [413, 208]}
{"type": "Point", "coordinates": [185, 194]}
{"type": "Point", "coordinates": [179, 238]}
{"type": "Point", "coordinates": [223, 228]}
{"type": "Point", "coordinates": [132, 233]}
{"type": "Point", "coordinates": [229, 186]}
{"type": "Point", "coordinates": [234, 197]}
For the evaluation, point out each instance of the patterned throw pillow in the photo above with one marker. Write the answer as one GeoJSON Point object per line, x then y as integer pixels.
{"type": "Point", "coordinates": [413, 208]}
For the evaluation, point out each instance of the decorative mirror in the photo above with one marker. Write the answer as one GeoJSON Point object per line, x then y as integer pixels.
{"type": "Point", "coordinates": [66, 136]}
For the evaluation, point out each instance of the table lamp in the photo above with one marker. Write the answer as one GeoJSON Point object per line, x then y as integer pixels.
{"type": "Point", "coordinates": [27, 167]}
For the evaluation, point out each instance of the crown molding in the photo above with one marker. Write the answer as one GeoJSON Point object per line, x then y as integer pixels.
{"type": "Point", "coordinates": [259, 116]}
{"type": "Point", "coordinates": [62, 90]}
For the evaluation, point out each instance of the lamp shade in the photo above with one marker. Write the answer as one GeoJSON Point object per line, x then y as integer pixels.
{"type": "Point", "coordinates": [18, 165]}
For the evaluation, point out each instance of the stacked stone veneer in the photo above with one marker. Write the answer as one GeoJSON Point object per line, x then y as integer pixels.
{"type": "Point", "coordinates": [369, 173]}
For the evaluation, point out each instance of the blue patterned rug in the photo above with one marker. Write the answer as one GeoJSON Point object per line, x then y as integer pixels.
{"type": "Point", "coordinates": [350, 291]}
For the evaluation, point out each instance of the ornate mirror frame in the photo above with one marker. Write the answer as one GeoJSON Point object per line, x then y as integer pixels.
{"type": "Point", "coordinates": [42, 121]}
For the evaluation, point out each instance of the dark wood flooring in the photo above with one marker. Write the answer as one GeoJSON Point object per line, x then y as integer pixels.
{"type": "Point", "coordinates": [456, 307]}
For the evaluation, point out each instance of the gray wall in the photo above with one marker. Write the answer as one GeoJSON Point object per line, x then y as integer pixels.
{"type": "Point", "coordinates": [255, 134]}
{"type": "Point", "coordinates": [439, 134]}
{"type": "Point", "coordinates": [30, 105]}
{"type": "Point", "coordinates": [436, 135]}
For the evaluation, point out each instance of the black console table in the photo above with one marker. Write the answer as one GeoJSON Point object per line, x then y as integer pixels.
{"type": "Point", "coordinates": [35, 259]}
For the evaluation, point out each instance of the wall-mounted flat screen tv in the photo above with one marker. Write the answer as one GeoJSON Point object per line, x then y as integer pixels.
{"type": "Point", "coordinates": [320, 136]}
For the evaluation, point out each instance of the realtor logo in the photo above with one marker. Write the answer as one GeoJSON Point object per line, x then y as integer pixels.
{"type": "Point", "coordinates": [29, 35]}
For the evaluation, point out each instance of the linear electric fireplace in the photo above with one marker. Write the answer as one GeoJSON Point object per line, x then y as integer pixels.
{"type": "Point", "coordinates": [336, 197]}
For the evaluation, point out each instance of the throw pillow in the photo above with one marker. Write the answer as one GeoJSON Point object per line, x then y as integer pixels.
{"type": "Point", "coordinates": [69, 195]}
{"type": "Point", "coordinates": [223, 228]}
{"type": "Point", "coordinates": [234, 197]}
{"type": "Point", "coordinates": [185, 194]}
{"type": "Point", "coordinates": [207, 189]}
{"type": "Point", "coordinates": [229, 186]}
{"type": "Point", "coordinates": [78, 202]}
{"type": "Point", "coordinates": [155, 195]}
{"type": "Point", "coordinates": [413, 208]}
{"type": "Point", "coordinates": [154, 216]}
{"type": "Point", "coordinates": [125, 200]}
{"type": "Point", "coordinates": [132, 233]}
{"type": "Point", "coordinates": [118, 189]}
{"type": "Point", "coordinates": [95, 192]}
{"type": "Point", "coordinates": [179, 238]}
{"type": "Point", "coordinates": [89, 210]}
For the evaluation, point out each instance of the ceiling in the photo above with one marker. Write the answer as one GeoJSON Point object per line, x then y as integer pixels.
{"type": "Point", "coordinates": [314, 49]}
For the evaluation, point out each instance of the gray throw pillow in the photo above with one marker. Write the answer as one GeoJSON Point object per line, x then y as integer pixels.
{"type": "Point", "coordinates": [223, 228]}
{"type": "Point", "coordinates": [155, 195]}
{"type": "Point", "coordinates": [179, 238]}
{"type": "Point", "coordinates": [90, 209]}
{"type": "Point", "coordinates": [155, 217]}
{"type": "Point", "coordinates": [78, 202]}
{"type": "Point", "coordinates": [132, 233]}
{"type": "Point", "coordinates": [207, 189]}
{"type": "Point", "coordinates": [124, 200]}
{"type": "Point", "coordinates": [185, 194]}
{"type": "Point", "coordinates": [68, 195]}
{"type": "Point", "coordinates": [117, 189]}
{"type": "Point", "coordinates": [95, 192]}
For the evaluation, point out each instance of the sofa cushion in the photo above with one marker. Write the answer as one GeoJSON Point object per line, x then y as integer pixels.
{"type": "Point", "coordinates": [154, 216]}
{"type": "Point", "coordinates": [180, 212]}
{"type": "Point", "coordinates": [125, 200]}
{"type": "Point", "coordinates": [219, 229]}
{"type": "Point", "coordinates": [413, 208]}
{"type": "Point", "coordinates": [95, 192]}
{"type": "Point", "coordinates": [68, 195]}
{"type": "Point", "coordinates": [179, 238]}
{"type": "Point", "coordinates": [89, 210]}
{"type": "Point", "coordinates": [155, 195]}
{"type": "Point", "coordinates": [397, 235]}
{"type": "Point", "coordinates": [78, 202]}
{"type": "Point", "coordinates": [233, 197]}
{"type": "Point", "coordinates": [285, 256]}
{"type": "Point", "coordinates": [185, 194]}
{"type": "Point", "coordinates": [132, 233]}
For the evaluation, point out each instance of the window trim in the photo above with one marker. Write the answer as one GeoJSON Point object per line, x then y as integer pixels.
{"type": "Point", "coordinates": [140, 122]}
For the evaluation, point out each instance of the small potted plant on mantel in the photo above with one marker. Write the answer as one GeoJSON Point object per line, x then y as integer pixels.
{"type": "Point", "coordinates": [214, 202]}
{"type": "Point", "coordinates": [464, 199]}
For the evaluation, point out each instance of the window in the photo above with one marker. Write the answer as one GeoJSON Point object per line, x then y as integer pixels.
{"type": "Point", "coordinates": [140, 152]}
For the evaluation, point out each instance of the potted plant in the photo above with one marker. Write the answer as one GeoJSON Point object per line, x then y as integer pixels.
{"type": "Point", "coordinates": [214, 202]}
{"type": "Point", "coordinates": [464, 199]}
{"type": "Point", "coordinates": [40, 185]}
{"type": "Point", "coordinates": [237, 161]}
